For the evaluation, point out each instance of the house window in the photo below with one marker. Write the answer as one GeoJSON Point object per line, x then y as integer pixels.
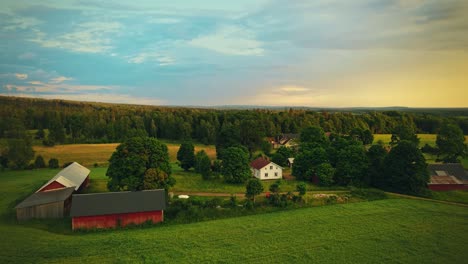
{"type": "Point", "coordinates": [271, 167]}
{"type": "Point", "coordinates": [266, 174]}
{"type": "Point", "coordinates": [276, 174]}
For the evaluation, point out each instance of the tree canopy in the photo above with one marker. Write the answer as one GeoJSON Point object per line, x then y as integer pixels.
{"type": "Point", "coordinates": [253, 188]}
{"type": "Point", "coordinates": [138, 164]}
{"type": "Point", "coordinates": [450, 142]}
{"type": "Point", "coordinates": [186, 155]}
{"type": "Point", "coordinates": [236, 167]}
{"type": "Point", "coordinates": [405, 170]}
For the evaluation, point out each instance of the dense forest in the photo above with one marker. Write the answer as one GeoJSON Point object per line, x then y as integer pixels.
{"type": "Point", "coordinates": [82, 122]}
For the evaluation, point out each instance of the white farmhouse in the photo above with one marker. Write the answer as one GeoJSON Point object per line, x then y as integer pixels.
{"type": "Point", "coordinates": [264, 169]}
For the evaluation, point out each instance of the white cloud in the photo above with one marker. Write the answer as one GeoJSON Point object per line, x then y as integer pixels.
{"type": "Point", "coordinates": [41, 87]}
{"type": "Point", "coordinates": [95, 97]}
{"type": "Point", "coordinates": [89, 37]}
{"type": "Point", "coordinates": [21, 76]}
{"type": "Point", "coordinates": [293, 89]}
{"type": "Point", "coordinates": [231, 40]}
{"type": "Point", "coordinates": [161, 60]}
{"type": "Point", "coordinates": [20, 23]}
{"type": "Point", "coordinates": [60, 79]}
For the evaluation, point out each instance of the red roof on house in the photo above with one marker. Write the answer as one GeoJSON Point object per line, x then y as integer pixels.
{"type": "Point", "coordinates": [259, 163]}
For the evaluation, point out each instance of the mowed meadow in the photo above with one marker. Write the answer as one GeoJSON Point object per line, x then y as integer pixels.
{"type": "Point", "coordinates": [392, 230]}
{"type": "Point", "coordinates": [89, 154]}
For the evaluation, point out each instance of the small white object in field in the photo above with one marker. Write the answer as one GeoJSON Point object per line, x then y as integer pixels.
{"type": "Point", "coordinates": [183, 196]}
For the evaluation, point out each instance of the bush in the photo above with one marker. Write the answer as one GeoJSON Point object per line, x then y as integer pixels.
{"type": "Point", "coordinates": [429, 149]}
{"type": "Point", "coordinates": [301, 188]}
{"type": "Point", "coordinates": [48, 142]}
{"type": "Point", "coordinates": [96, 165]}
{"type": "Point", "coordinates": [53, 163]}
{"type": "Point", "coordinates": [39, 162]}
{"type": "Point", "coordinates": [369, 194]}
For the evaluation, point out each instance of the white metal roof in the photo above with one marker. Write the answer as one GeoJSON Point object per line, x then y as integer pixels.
{"type": "Point", "coordinates": [291, 160]}
{"type": "Point", "coordinates": [72, 176]}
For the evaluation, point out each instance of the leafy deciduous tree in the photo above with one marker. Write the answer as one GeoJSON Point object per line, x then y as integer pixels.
{"type": "Point", "coordinates": [253, 188]}
{"type": "Point", "coordinates": [235, 165]}
{"type": "Point", "coordinates": [130, 165]}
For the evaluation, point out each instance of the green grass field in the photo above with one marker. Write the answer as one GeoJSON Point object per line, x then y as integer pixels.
{"type": "Point", "coordinates": [392, 230]}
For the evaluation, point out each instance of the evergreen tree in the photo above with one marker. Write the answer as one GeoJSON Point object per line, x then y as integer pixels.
{"type": "Point", "coordinates": [186, 155]}
{"type": "Point", "coordinates": [203, 164]}
{"type": "Point", "coordinates": [39, 162]}
{"type": "Point", "coordinates": [406, 170]}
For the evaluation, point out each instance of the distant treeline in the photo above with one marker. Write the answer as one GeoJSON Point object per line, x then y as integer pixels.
{"type": "Point", "coordinates": [84, 122]}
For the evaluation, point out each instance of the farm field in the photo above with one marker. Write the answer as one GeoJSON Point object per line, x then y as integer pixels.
{"type": "Point", "coordinates": [429, 139]}
{"type": "Point", "coordinates": [88, 154]}
{"type": "Point", "coordinates": [392, 230]}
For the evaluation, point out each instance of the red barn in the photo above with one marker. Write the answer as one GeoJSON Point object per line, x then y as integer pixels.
{"type": "Point", "coordinates": [114, 209]}
{"type": "Point", "coordinates": [74, 175]}
{"type": "Point", "coordinates": [447, 177]}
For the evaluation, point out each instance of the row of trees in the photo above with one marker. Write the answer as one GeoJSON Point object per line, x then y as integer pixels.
{"type": "Point", "coordinates": [70, 122]}
{"type": "Point", "coordinates": [345, 160]}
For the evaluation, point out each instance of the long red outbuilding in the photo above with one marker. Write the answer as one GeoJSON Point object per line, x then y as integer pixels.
{"type": "Point", "coordinates": [117, 209]}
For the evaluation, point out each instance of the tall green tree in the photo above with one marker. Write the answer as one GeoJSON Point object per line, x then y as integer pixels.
{"type": "Point", "coordinates": [186, 155]}
{"type": "Point", "coordinates": [281, 156]}
{"type": "Point", "coordinates": [325, 173]}
{"type": "Point", "coordinates": [451, 143]}
{"type": "Point", "coordinates": [235, 166]}
{"type": "Point", "coordinates": [19, 151]}
{"type": "Point", "coordinates": [140, 163]}
{"type": "Point", "coordinates": [306, 162]}
{"type": "Point", "coordinates": [253, 188]}
{"type": "Point", "coordinates": [406, 170]}
{"type": "Point", "coordinates": [404, 132]}
{"type": "Point", "coordinates": [203, 164]}
{"type": "Point", "coordinates": [352, 165]}
{"type": "Point", "coordinates": [376, 155]}
{"type": "Point", "coordinates": [314, 135]}
{"type": "Point", "coordinates": [56, 131]}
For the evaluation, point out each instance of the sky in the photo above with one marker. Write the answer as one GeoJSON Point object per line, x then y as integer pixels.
{"type": "Point", "coordinates": [360, 53]}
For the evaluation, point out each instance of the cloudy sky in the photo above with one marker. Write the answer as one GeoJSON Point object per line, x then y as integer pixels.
{"type": "Point", "coordinates": [244, 52]}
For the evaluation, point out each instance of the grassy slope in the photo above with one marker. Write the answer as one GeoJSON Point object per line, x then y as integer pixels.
{"type": "Point", "coordinates": [401, 231]}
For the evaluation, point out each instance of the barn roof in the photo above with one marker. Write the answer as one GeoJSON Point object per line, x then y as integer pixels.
{"type": "Point", "coordinates": [46, 197]}
{"type": "Point", "coordinates": [72, 176]}
{"type": "Point", "coordinates": [444, 180]}
{"type": "Point", "coordinates": [449, 169]}
{"type": "Point", "coordinates": [117, 202]}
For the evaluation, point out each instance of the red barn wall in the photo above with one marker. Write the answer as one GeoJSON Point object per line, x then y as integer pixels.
{"type": "Point", "coordinates": [114, 220]}
{"type": "Point", "coordinates": [52, 186]}
{"type": "Point", "coordinates": [447, 187]}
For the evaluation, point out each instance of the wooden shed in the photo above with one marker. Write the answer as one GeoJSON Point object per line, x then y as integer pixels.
{"type": "Point", "coordinates": [114, 209]}
{"type": "Point", "coordinates": [74, 175]}
{"type": "Point", "coordinates": [49, 204]}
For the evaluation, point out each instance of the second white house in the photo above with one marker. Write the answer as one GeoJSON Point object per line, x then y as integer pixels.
{"type": "Point", "coordinates": [264, 169]}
